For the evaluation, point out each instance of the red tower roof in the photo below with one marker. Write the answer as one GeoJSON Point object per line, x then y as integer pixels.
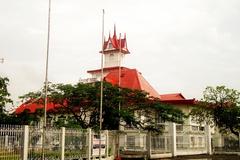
{"type": "Point", "coordinates": [117, 44]}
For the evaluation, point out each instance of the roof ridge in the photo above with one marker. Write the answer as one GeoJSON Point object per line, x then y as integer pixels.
{"type": "Point", "coordinates": [138, 81]}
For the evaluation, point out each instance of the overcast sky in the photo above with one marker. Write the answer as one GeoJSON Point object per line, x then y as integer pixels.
{"type": "Point", "coordinates": [177, 45]}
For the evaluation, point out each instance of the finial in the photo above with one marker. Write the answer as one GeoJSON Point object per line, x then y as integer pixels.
{"type": "Point", "coordinates": [114, 29]}
{"type": "Point", "coordinates": [119, 41]}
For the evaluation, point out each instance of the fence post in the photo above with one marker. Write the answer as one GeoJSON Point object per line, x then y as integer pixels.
{"type": "Point", "coordinates": [173, 136]}
{"type": "Point", "coordinates": [6, 141]}
{"type": "Point", "coordinates": [149, 149]}
{"type": "Point", "coordinates": [62, 142]}
{"type": "Point", "coordinates": [208, 139]}
{"type": "Point", "coordinates": [107, 145]}
{"type": "Point", "coordinates": [25, 142]}
{"type": "Point", "coordinates": [89, 144]}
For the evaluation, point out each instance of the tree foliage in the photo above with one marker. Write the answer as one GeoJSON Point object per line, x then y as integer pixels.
{"type": "Point", "coordinates": [121, 106]}
{"type": "Point", "coordinates": [4, 100]}
{"type": "Point", "coordinates": [23, 119]}
{"type": "Point", "coordinates": [220, 106]}
{"type": "Point", "coordinates": [4, 94]}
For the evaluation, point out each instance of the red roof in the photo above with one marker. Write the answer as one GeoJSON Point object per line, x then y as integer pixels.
{"type": "Point", "coordinates": [176, 98]}
{"type": "Point", "coordinates": [173, 96]}
{"type": "Point", "coordinates": [32, 106]}
{"type": "Point", "coordinates": [119, 44]}
{"type": "Point", "coordinates": [132, 79]}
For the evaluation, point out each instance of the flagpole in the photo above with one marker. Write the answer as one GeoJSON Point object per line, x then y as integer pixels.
{"type": "Point", "coordinates": [101, 89]}
{"type": "Point", "coordinates": [119, 103]}
{"type": "Point", "coordinates": [119, 70]}
{"type": "Point", "coordinates": [46, 81]}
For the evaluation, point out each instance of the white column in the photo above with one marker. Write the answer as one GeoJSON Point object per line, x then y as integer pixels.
{"type": "Point", "coordinates": [25, 142]}
{"type": "Point", "coordinates": [106, 145]}
{"type": "Point", "coordinates": [173, 137]}
{"type": "Point", "coordinates": [208, 139]}
{"type": "Point", "coordinates": [238, 139]}
{"type": "Point", "coordinates": [62, 143]}
{"type": "Point", "coordinates": [6, 141]}
{"type": "Point", "coordinates": [149, 149]}
{"type": "Point", "coordinates": [89, 153]}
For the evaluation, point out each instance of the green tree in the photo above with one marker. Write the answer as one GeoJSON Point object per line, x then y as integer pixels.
{"type": "Point", "coordinates": [4, 100]}
{"type": "Point", "coordinates": [220, 106]}
{"type": "Point", "coordinates": [4, 94]}
{"type": "Point", "coordinates": [82, 101]}
{"type": "Point", "coordinates": [23, 118]}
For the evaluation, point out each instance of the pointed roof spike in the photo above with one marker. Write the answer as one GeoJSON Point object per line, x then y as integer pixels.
{"type": "Point", "coordinates": [125, 37]}
{"type": "Point", "coordinates": [114, 29]}
{"type": "Point", "coordinates": [120, 42]}
{"type": "Point", "coordinates": [114, 39]}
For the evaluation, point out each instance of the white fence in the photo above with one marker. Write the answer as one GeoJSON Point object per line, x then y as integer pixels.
{"type": "Point", "coordinates": [11, 142]}
{"type": "Point", "coordinates": [176, 140]}
{"type": "Point", "coordinates": [24, 142]}
{"type": "Point", "coordinates": [225, 143]}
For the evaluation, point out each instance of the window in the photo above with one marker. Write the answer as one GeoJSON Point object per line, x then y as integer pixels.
{"type": "Point", "coordinates": [193, 142]}
{"type": "Point", "coordinates": [158, 142]}
{"type": "Point", "coordinates": [200, 142]}
{"type": "Point", "coordinates": [179, 127]}
{"type": "Point", "coordinates": [179, 140]}
{"type": "Point", "coordinates": [161, 142]}
{"type": "Point", "coordinates": [110, 46]}
{"type": "Point", "coordinates": [130, 142]}
{"type": "Point", "coordinates": [201, 128]}
{"type": "Point", "coordinates": [194, 128]}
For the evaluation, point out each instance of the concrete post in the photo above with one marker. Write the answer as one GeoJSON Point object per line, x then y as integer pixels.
{"type": "Point", "coordinates": [149, 149]}
{"type": "Point", "coordinates": [106, 145]}
{"type": "Point", "coordinates": [62, 143]}
{"type": "Point", "coordinates": [238, 139]}
{"type": "Point", "coordinates": [25, 142]}
{"type": "Point", "coordinates": [173, 134]}
{"type": "Point", "coordinates": [208, 139]}
{"type": "Point", "coordinates": [89, 152]}
{"type": "Point", "coordinates": [6, 141]}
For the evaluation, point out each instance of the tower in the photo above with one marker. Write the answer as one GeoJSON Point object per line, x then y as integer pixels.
{"type": "Point", "coordinates": [115, 49]}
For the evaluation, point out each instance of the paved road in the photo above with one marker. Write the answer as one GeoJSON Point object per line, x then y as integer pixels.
{"type": "Point", "coordinates": [205, 157]}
